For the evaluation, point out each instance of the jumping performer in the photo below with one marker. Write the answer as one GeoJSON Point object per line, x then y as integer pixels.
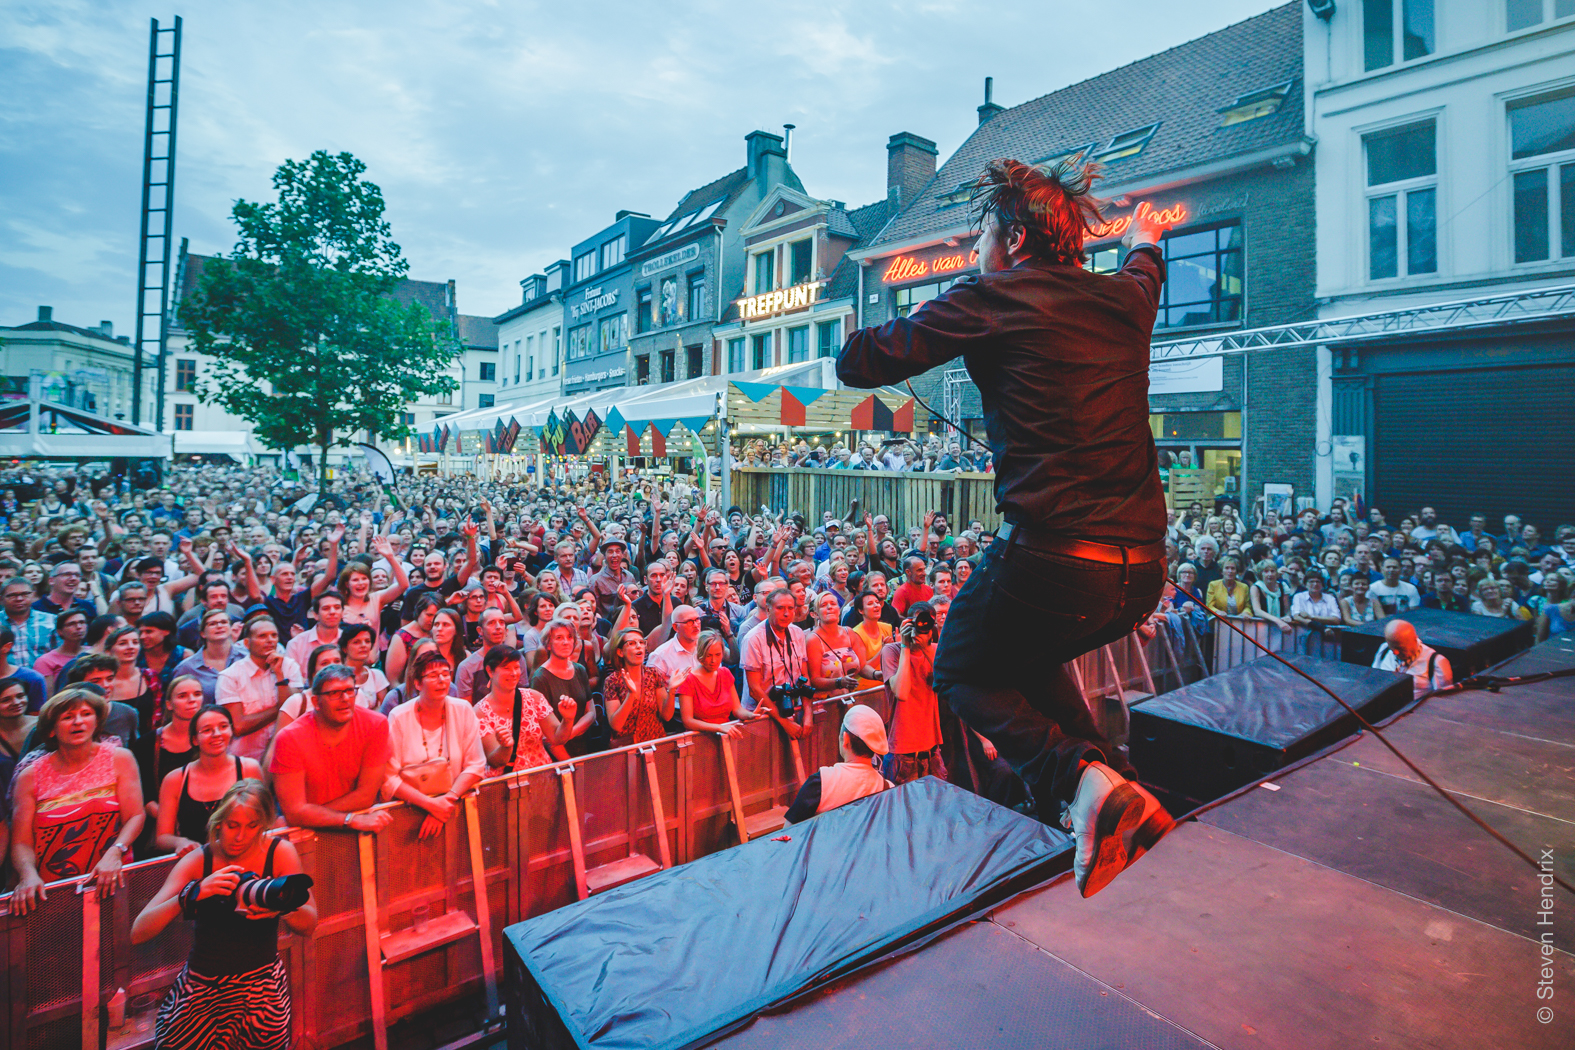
{"type": "Point", "coordinates": [1060, 356]}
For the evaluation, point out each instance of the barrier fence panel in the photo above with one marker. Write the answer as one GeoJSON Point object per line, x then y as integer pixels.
{"type": "Point", "coordinates": [1231, 648]}
{"type": "Point", "coordinates": [904, 497]}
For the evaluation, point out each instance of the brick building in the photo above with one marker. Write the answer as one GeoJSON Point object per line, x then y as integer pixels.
{"type": "Point", "coordinates": [1212, 132]}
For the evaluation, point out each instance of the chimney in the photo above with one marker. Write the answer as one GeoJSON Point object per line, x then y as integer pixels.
{"type": "Point", "coordinates": [46, 313]}
{"type": "Point", "coordinates": [989, 109]}
{"type": "Point", "coordinates": [910, 165]}
{"type": "Point", "coordinates": [787, 141]}
{"type": "Point", "coordinates": [762, 144]}
{"type": "Point", "coordinates": [108, 328]}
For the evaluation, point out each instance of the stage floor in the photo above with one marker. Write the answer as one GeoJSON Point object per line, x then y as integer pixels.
{"type": "Point", "coordinates": [1350, 907]}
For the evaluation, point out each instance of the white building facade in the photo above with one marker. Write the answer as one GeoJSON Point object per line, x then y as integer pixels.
{"type": "Point", "coordinates": [1445, 167]}
{"type": "Point", "coordinates": [530, 339]}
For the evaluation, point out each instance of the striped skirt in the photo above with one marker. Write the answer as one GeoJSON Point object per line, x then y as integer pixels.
{"type": "Point", "coordinates": [245, 1011]}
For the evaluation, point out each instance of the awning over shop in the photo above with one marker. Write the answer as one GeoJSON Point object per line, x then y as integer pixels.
{"type": "Point", "coordinates": [642, 420]}
{"type": "Point", "coordinates": [215, 442]}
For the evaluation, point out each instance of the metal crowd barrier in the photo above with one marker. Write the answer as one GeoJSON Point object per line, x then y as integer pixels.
{"type": "Point", "coordinates": [407, 909]}
{"type": "Point", "coordinates": [1231, 648]}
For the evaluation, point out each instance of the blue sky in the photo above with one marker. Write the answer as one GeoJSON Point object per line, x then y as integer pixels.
{"type": "Point", "coordinates": [501, 133]}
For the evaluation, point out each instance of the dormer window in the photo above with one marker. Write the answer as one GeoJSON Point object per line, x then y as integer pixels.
{"type": "Point", "coordinates": [1128, 143]}
{"type": "Point", "coordinates": [1255, 104]}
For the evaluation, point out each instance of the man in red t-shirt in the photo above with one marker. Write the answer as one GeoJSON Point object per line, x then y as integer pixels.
{"type": "Point", "coordinates": [329, 764]}
{"type": "Point", "coordinates": [913, 588]}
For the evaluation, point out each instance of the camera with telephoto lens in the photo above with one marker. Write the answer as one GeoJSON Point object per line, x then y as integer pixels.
{"type": "Point", "coordinates": [786, 697]}
{"type": "Point", "coordinates": [922, 617]}
{"type": "Point", "coordinates": [282, 893]}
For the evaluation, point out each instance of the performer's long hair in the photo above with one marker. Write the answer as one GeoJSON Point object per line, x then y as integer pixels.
{"type": "Point", "coordinates": [1054, 204]}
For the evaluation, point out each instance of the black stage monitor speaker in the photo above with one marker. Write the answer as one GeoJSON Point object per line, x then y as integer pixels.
{"type": "Point", "coordinates": [1469, 643]}
{"type": "Point", "coordinates": [1209, 738]}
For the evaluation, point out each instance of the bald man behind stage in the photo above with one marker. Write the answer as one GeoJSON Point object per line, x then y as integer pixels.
{"type": "Point", "coordinates": [1403, 651]}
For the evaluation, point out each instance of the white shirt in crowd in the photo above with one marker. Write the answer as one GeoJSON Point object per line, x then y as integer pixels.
{"type": "Point", "coordinates": [459, 741]}
{"type": "Point", "coordinates": [1396, 599]}
{"type": "Point", "coordinates": [1303, 605]}
{"type": "Point", "coordinates": [255, 689]}
{"type": "Point", "coordinates": [1428, 669]}
{"type": "Point", "coordinates": [673, 660]}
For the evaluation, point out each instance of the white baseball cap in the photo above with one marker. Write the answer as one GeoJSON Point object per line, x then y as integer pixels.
{"type": "Point", "coordinates": [862, 721]}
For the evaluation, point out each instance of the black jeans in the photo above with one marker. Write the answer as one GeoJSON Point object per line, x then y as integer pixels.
{"type": "Point", "coordinates": [1018, 619]}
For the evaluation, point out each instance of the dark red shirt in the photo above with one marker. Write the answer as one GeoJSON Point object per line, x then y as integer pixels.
{"type": "Point", "coordinates": [1060, 356]}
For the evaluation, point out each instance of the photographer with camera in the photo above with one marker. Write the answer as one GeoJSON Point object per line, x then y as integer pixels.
{"type": "Point", "coordinates": [776, 666]}
{"type": "Point", "coordinates": [916, 712]}
{"type": "Point", "coordinates": [233, 991]}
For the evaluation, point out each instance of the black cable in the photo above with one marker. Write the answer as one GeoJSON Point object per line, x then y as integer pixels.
{"type": "Point", "coordinates": [1365, 724]}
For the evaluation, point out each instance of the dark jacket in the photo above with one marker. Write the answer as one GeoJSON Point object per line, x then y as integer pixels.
{"type": "Point", "coordinates": [1060, 356]}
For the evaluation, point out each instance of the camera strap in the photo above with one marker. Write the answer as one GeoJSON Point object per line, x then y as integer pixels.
{"type": "Point", "coordinates": [514, 750]}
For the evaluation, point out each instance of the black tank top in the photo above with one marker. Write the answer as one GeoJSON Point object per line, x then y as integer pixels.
{"type": "Point", "coordinates": [191, 816]}
{"type": "Point", "coordinates": [226, 944]}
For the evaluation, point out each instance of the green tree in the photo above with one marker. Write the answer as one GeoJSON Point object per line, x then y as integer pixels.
{"type": "Point", "coordinates": [309, 347]}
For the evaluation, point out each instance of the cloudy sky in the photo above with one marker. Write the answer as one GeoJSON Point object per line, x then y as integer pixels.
{"type": "Point", "coordinates": [501, 133]}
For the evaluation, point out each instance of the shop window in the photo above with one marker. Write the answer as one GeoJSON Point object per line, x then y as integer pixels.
{"type": "Point", "coordinates": [802, 253]}
{"type": "Point", "coordinates": [798, 344]}
{"type": "Point", "coordinates": [185, 374]}
{"type": "Point", "coordinates": [1402, 201]}
{"type": "Point", "coordinates": [735, 354]}
{"type": "Point", "coordinates": [696, 362]}
{"type": "Point", "coordinates": [642, 310]}
{"type": "Point", "coordinates": [612, 333]}
{"type": "Point", "coordinates": [762, 350]}
{"type": "Point", "coordinates": [909, 298]}
{"type": "Point", "coordinates": [696, 296]}
{"type": "Point", "coordinates": [1388, 23]}
{"type": "Point", "coordinates": [1104, 260]}
{"type": "Point", "coordinates": [1542, 163]}
{"type": "Point", "coordinates": [668, 361]}
{"type": "Point", "coordinates": [581, 342]}
{"type": "Point", "coordinates": [829, 337]}
{"type": "Point", "coordinates": [1523, 14]}
{"type": "Point", "coordinates": [1204, 282]}
{"type": "Point", "coordinates": [183, 416]}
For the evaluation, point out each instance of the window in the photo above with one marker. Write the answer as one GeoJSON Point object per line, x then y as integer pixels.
{"type": "Point", "coordinates": [484, 400]}
{"type": "Point", "coordinates": [489, 372]}
{"type": "Point", "coordinates": [584, 266]}
{"type": "Point", "coordinates": [581, 342]}
{"type": "Point", "coordinates": [1522, 14]}
{"type": "Point", "coordinates": [909, 298]}
{"type": "Point", "coordinates": [798, 344]}
{"type": "Point", "coordinates": [530, 367]}
{"type": "Point", "coordinates": [1402, 202]}
{"type": "Point", "coordinates": [642, 310]}
{"type": "Point", "coordinates": [557, 349]}
{"type": "Point", "coordinates": [1543, 131]}
{"type": "Point", "coordinates": [1128, 143]}
{"type": "Point", "coordinates": [1255, 104]}
{"type": "Point", "coordinates": [829, 336]}
{"type": "Point", "coordinates": [408, 418]}
{"type": "Point", "coordinates": [669, 309]}
{"type": "Point", "coordinates": [761, 356]}
{"type": "Point", "coordinates": [803, 253]}
{"type": "Point", "coordinates": [763, 272]}
{"type": "Point", "coordinates": [530, 341]}
{"type": "Point", "coordinates": [183, 416]}
{"type": "Point", "coordinates": [1203, 277]}
{"type": "Point", "coordinates": [696, 296]}
{"type": "Point", "coordinates": [668, 360]}
{"type": "Point", "coordinates": [642, 370]}
{"type": "Point", "coordinates": [696, 362]}
{"type": "Point", "coordinates": [612, 252]}
{"type": "Point", "coordinates": [1103, 260]}
{"type": "Point", "coordinates": [735, 354]}
{"type": "Point", "coordinates": [1386, 21]}
{"type": "Point", "coordinates": [613, 332]}
{"type": "Point", "coordinates": [185, 374]}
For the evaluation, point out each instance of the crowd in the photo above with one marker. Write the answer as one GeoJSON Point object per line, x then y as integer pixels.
{"type": "Point", "coordinates": [184, 668]}
{"type": "Point", "coordinates": [903, 455]}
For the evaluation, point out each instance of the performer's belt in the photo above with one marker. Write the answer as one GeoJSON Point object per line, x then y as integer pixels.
{"type": "Point", "coordinates": [1088, 550]}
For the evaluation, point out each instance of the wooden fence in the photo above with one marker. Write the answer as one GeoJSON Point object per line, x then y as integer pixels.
{"type": "Point", "coordinates": [904, 498]}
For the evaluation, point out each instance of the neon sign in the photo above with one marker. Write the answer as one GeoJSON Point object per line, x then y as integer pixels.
{"type": "Point", "coordinates": [781, 301]}
{"type": "Point", "coordinates": [1176, 213]}
{"type": "Point", "coordinates": [911, 268]}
